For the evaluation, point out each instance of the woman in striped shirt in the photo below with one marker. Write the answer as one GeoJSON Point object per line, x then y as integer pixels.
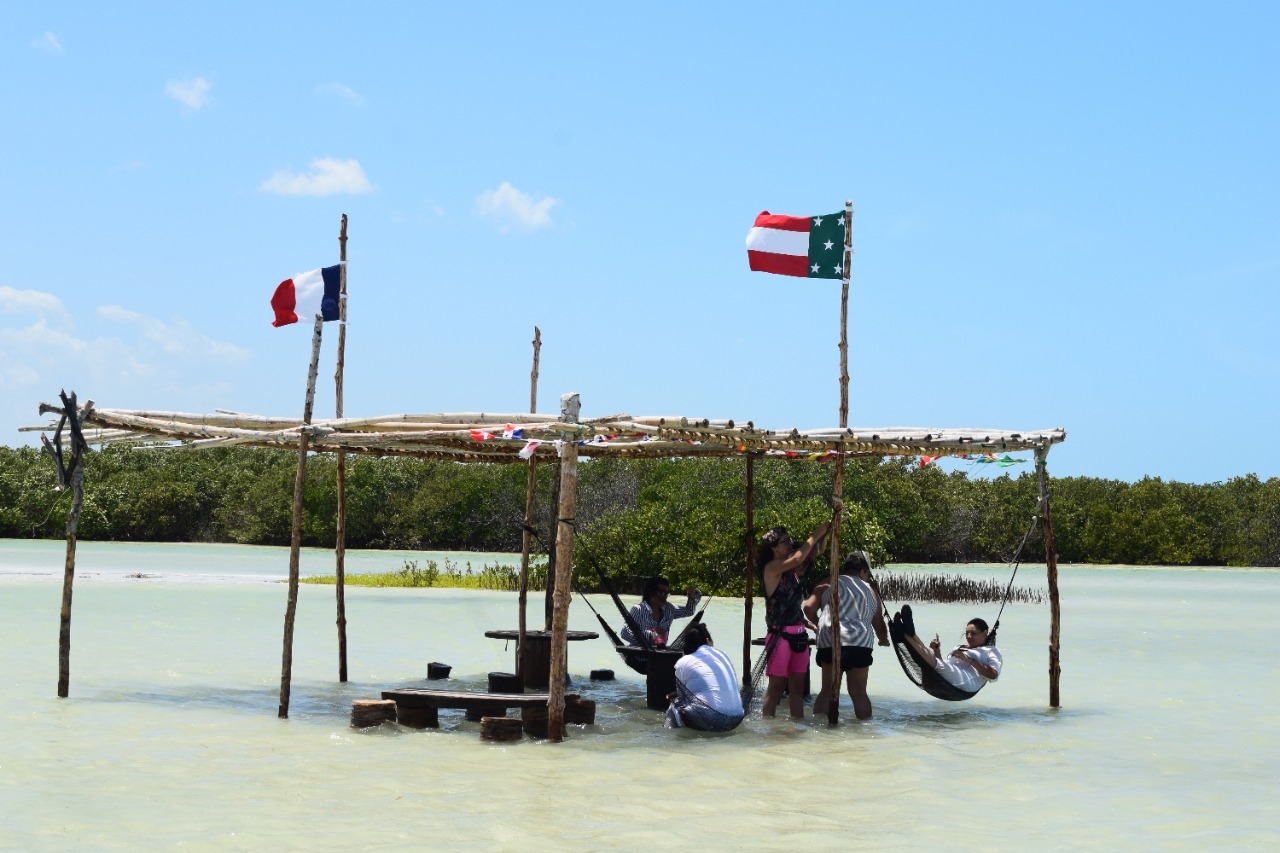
{"type": "Point", "coordinates": [860, 615]}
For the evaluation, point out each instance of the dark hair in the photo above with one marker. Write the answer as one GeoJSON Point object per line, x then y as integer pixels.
{"type": "Point", "coordinates": [981, 625]}
{"type": "Point", "coordinates": [651, 586]}
{"type": "Point", "coordinates": [856, 562]}
{"type": "Point", "coordinates": [764, 554]}
{"type": "Point", "coordinates": [695, 637]}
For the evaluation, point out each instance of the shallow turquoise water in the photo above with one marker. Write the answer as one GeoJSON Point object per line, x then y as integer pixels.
{"type": "Point", "coordinates": [1168, 737]}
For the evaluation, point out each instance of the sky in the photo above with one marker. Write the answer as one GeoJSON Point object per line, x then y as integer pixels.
{"type": "Point", "coordinates": [1065, 214]}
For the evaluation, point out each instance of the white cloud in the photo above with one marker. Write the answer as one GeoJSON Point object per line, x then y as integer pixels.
{"type": "Point", "coordinates": [48, 42]}
{"type": "Point", "coordinates": [340, 90]}
{"type": "Point", "coordinates": [327, 177]}
{"type": "Point", "coordinates": [511, 208]}
{"type": "Point", "coordinates": [192, 94]}
{"type": "Point", "coordinates": [177, 338]}
{"type": "Point", "coordinates": [43, 305]}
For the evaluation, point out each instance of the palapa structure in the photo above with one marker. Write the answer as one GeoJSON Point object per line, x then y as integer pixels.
{"type": "Point", "coordinates": [514, 437]}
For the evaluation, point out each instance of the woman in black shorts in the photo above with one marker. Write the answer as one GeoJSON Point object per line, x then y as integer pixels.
{"type": "Point", "coordinates": [860, 616]}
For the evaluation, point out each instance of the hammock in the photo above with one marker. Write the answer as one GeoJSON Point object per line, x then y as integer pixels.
{"type": "Point", "coordinates": [922, 673]}
{"type": "Point", "coordinates": [920, 670]}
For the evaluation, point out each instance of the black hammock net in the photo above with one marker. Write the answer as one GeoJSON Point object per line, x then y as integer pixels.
{"type": "Point", "coordinates": [922, 672]}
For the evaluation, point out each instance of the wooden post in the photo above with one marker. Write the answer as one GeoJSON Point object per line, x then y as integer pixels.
{"type": "Point", "coordinates": [526, 539]}
{"type": "Point", "coordinates": [340, 534]}
{"type": "Point", "coordinates": [1051, 565]}
{"type": "Point", "coordinates": [564, 569]}
{"type": "Point", "coordinates": [749, 595]}
{"type": "Point", "coordinates": [549, 601]}
{"type": "Point", "coordinates": [833, 704]}
{"type": "Point", "coordinates": [70, 475]}
{"type": "Point", "coordinates": [299, 487]}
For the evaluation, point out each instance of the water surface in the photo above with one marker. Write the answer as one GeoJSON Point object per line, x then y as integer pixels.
{"type": "Point", "coordinates": [1166, 740]}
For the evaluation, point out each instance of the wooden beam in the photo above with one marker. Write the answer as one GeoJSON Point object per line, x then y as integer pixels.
{"type": "Point", "coordinates": [564, 574]}
{"type": "Point", "coordinates": [340, 533]}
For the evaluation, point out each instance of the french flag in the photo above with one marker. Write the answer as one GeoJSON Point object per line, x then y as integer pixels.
{"type": "Point", "coordinates": [307, 294]}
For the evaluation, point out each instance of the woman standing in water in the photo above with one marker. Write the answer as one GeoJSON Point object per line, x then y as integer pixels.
{"type": "Point", "coordinates": [788, 662]}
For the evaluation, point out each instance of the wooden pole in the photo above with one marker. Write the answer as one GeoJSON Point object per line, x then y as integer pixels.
{"type": "Point", "coordinates": [70, 475]}
{"type": "Point", "coordinates": [1051, 566]}
{"type": "Point", "coordinates": [340, 534]}
{"type": "Point", "coordinates": [299, 487]}
{"type": "Point", "coordinates": [526, 539]}
{"type": "Point", "coordinates": [749, 539]}
{"type": "Point", "coordinates": [564, 570]}
{"type": "Point", "coordinates": [833, 703]}
{"type": "Point", "coordinates": [549, 602]}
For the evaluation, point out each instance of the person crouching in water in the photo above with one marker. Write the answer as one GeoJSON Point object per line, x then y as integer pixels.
{"type": "Point", "coordinates": [788, 662]}
{"type": "Point", "coordinates": [706, 696]}
{"type": "Point", "coordinates": [859, 617]}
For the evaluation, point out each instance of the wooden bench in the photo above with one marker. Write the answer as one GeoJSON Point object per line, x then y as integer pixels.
{"type": "Point", "coordinates": [420, 707]}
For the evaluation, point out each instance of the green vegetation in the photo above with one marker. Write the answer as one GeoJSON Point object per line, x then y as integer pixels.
{"type": "Point", "coordinates": [681, 517]}
{"type": "Point", "coordinates": [491, 576]}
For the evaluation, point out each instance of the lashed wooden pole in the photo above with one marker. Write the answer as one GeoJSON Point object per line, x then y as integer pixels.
{"type": "Point", "coordinates": [70, 475]}
{"type": "Point", "coordinates": [833, 703]}
{"type": "Point", "coordinates": [340, 534]}
{"type": "Point", "coordinates": [526, 539]}
{"type": "Point", "coordinates": [299, 487]}
{"type": "Point", "coordinates": [1051, 566]}
{"type": "Point", "coordinates": [749, 539]}
{"type": "Point", "coordinates": [564, 571]}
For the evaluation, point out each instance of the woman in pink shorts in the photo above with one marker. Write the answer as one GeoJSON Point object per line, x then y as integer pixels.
{"type": "Point", "coordinates": [788, 664]}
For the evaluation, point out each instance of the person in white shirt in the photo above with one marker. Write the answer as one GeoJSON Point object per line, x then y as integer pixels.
{"type": "Point", "coordinates": [969, 666]}
{"type": "Point", "coordinates": [707, 695]}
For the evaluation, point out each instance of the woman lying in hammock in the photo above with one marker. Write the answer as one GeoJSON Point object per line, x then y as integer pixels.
{"type": "Point", "coordinates": [968, 667]}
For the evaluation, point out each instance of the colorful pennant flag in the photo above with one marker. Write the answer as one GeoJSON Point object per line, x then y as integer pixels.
{"type": "Point", "coordinates": [308, 294]}
{"type": "Point", "coordinates": [804, 246]}
{"type": "Point", "coordinates": [530, 446]}
{"type": "Point", "coordinates": [480, 435]}
{"type": "Point", "coordinates": [512, 432]}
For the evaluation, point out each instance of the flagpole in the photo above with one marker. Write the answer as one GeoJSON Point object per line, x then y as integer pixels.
{"type": "Point", "coordinates": [340, 534]}
{"type": "Point", "coordinates": [833, 702]}
{"type": "Point", "coordinates": [299, 486]}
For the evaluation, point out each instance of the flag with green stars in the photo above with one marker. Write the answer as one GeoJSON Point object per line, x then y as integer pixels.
{"type": "Point", "coordinates": [807, 246]}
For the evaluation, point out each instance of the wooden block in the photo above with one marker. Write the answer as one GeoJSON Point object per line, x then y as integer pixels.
{"type": "Point", "coordinates": [501, 728]}
{"type": "Point", "coordinates": [535, 722]}
{"type": "Point", "coordinates": [579, 710]}
{"type": "Point", "coordinates": [504, 682]}
{"type": "Point", "coordinates": [372, 712]}
{"type": "Point", "coordinates": [477, 714]}
{"type": "Point", "coordinates": [418, 718]}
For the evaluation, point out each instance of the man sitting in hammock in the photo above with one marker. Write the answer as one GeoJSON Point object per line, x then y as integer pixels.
{"type": "Point", "coordinates": [706, 695]}
{"type": "Point", "coordinates": [653, 615]}
{"type": "Point", "coordinates": [968, 667]}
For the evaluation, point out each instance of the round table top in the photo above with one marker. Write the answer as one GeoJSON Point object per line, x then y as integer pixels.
{"type": "Point", "coordinates": [514, 634]}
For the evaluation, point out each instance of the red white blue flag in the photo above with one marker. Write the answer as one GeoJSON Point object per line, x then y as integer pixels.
{"type": "Point", "coordinates": [307, 294]}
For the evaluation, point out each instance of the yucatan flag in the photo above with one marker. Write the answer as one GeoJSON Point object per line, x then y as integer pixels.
{"type": "Point", "coordinates": [806, 246]}
{"type": "Point", "coordinates": [306, 295]}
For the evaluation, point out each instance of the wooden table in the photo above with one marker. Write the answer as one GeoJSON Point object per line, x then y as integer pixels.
{"type": "Point", "coordinates": [536, 653]}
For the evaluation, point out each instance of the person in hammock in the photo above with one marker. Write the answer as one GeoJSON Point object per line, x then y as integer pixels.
{"type": "Point", "coordinates": [860, 624]}
{"type": "Point", "coordinates": [783, 564]}
{"type": "Point", "coordinates": [969, 666]}
{"type": "Point", "coordinates": [653, 615]}
{"type": "Point", "coordinates": [706, 695]}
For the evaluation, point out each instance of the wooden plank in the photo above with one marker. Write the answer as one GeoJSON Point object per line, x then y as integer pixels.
{"type": "Point", "coordinates": [423, 698]}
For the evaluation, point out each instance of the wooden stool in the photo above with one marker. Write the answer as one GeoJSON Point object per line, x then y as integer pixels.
{"type": "Point", "coordinates": [501, 728]}
{"type": "Point", "coordinates": [372, 712]}
{"type": "Point", "coordinates": [535, 723]}
{"type": "Point", "coordinates": [437, 670]}
{"type": "Point", "coordinates": [504, 682]}
{"type": "Point", "coordinates": [579, 710]}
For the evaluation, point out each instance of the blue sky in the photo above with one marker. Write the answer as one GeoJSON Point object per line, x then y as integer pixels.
{"type": "Point", "coordinates": [1064, 215]}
